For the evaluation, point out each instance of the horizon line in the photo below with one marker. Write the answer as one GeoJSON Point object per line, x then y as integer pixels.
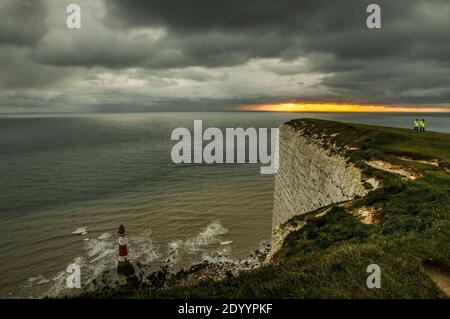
{"type": "Point", "coordinates": [333, 107]}
{"type": "Point", "coordinates": [409, 111]}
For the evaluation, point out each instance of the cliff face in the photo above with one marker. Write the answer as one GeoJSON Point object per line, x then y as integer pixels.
{"type": "Point", "coordinates": [311, 174]}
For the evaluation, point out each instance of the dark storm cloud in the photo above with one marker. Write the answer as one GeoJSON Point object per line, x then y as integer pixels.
{"type": "Point", "coordinates": [22, 22]}
{"type": "Point", "coordinates": [91, 53]}
{"type": "Point", "coordinates": [398, 82]}
{"type": "Point", "coordinates": [18, 72]}
{"type": "Point", "coordinates": [223, 33]}
{"type": "Point", "coordinates": [292, 27]}
{"type": "Point", "coordinates": [174, 50]}
{"type": "Point", "coordinates": [216, 49]}
{"type": "Point", "coordinates": [204, 15]}
{"type": "Point", "coordinates": [207, 33]}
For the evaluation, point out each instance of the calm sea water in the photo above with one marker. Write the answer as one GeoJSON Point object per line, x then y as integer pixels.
{"type": "Point", "coordinates": [68, 181]}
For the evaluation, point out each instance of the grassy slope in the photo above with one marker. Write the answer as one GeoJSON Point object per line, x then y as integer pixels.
{"type": "Point", "coordinates": [328, 257]}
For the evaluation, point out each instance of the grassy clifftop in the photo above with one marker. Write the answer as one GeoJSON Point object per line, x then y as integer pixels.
{"type": "Point", "coordinates": [403, 226]}
{"type": "Point", "coordinates": [380, 142]}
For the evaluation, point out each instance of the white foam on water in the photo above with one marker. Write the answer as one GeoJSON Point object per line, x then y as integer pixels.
{"type": "Point", "coordinates": [204, 238]}
{"type": "Point", "coordinates": [207, 236]}
{"type": "Point", "coordinates": [59, 275]}
{"type": "Point", "coordinates": [101, 255]}
{"type": "Point", "coordinates": [197, 243]}
{"type": "Point", "coordinates": [58, 288]}
{"type": "Point", "coordinates": [59, 285]}
{"type": "Point", "coordinates": [142, 248]}
{"type": "Point", "coordinates": [43, 281]}
{"type": "Point", "coordinates": [224, 256]}
{"type": "Point", "coordinates": [32, 279]}
{"type": "Point", "coordinates": [104, 236]}
{"type": "Point", "coordinates": [80, 231]}
{"type": "Point", "coordinates": [35, 279]}
{"type": "Point", "coordinates": [218, 256]}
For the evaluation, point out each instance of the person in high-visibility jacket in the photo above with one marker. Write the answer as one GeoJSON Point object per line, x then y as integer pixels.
{"type": "Point", "coordinates": [422, 125]}
{"type": "Point", "coordinates": [416, 124]}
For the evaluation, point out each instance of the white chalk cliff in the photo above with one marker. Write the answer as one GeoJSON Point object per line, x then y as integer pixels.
{"type": "Point", "coordinates": [311, 174]}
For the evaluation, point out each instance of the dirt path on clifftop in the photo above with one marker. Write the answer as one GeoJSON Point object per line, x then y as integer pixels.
{"type": "Point", "coordinates": [392, 168]}
{"type": "Point", "coordinates": [440, 277]}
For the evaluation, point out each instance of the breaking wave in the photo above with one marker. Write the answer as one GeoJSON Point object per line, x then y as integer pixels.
{"type": "Point", "coordinates": [80, 231]}
{"type": "Point", "coordinates": [209, 235]}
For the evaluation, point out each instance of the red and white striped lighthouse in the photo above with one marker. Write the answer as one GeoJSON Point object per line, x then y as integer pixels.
{"type": "Point", "coordinates": [124, 267]}
{"type": "Point", "coordinates": [123, 242]}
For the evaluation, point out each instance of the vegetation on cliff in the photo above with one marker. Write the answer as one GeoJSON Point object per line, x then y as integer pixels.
{"type": "Point", "coordinates": [403, 226]}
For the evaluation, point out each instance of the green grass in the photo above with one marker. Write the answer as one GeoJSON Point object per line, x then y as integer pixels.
{"type": "Point", "coordinates": [328, 257]}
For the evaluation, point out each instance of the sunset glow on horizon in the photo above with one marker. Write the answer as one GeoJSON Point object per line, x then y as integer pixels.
{"type": "Point", "coordinates": [337, 107]}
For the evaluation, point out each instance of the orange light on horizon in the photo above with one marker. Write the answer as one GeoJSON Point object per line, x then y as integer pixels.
{"type": "Point", "coordinates": [336, 107]}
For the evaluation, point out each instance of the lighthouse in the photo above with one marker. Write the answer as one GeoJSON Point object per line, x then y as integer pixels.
{"type": "Point", "coordinates": [124, 266]}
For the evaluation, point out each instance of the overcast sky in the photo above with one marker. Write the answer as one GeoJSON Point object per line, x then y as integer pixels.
{"type": "Point", "coordinates": [138, 55]}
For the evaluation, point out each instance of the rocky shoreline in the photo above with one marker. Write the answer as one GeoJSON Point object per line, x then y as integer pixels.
{"type": "Point", "coordinates": [145, 277]}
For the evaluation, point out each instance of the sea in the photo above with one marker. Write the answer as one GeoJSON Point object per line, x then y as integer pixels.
{"type": "Point", "coordinates": [67, 181]}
